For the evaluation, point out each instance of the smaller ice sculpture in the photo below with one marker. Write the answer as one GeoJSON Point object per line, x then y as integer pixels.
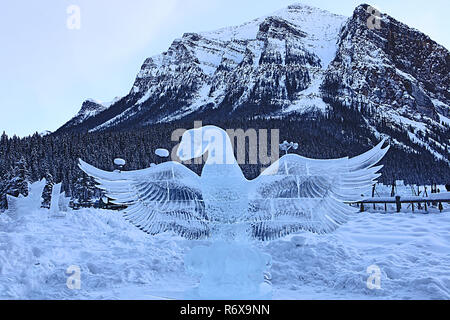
{"type": "Point", "coordinates": [163, 153]}
{"type": "Point", "coordinates": [21, 205]}
{"type": "Point", "coordinates": [119, 162]}
{"type": "Point", "coordinates": [54, 204]}
{"type": "Point", "coordinates": [286, 146]}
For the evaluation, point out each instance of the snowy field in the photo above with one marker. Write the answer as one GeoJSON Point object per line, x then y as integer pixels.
{"type": "Point", "coordinates": [118, 261]}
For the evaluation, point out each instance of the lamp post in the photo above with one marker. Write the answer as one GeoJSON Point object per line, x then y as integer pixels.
{"type": "Point", "coordinates": [119, 163]}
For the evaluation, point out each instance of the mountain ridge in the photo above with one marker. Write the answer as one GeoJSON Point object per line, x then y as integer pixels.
{"type": "Point", "coordinates": [297, 60]}
{"type": "Point", "coordinates": [236, 38]}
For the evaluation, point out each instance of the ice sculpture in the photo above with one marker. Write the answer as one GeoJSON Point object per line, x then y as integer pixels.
{"type": "Point", "coordinates": [21, 205]}
{"type": "Point", "coordinates": [119, 162]}
{"type": "Point", "coordinates": [163, 153]}
{"type": "Point", "coordinates": [293, 194]}
{"type": "Point", "coordinates": [54, 202]}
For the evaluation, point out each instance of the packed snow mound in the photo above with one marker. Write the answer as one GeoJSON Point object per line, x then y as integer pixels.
{"type": "Point", "coordinates": [411, 250]}
{"type": "Point", "coordinates": [36, 250]}
{"type": "Point", "coordinates": [118, 261]}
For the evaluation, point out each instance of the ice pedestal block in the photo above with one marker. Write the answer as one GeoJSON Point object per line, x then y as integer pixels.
{"type": "Point", "coordinates": [229, 270]}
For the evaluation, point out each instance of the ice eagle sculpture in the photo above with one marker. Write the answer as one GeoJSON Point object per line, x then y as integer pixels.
{"type": "Point", "coordinates": [293, 194]}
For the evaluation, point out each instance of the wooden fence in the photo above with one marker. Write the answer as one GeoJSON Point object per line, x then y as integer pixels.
{"type": "Point", "coordinates": [435, 198]}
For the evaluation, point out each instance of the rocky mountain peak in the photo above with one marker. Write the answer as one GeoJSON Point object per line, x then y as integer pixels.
{"type": "Point", "coordinates": [298, 60]}
{"type": "Point", "coordinates": [91, 106]}
{"type": "Point", "coordinates": [391, 67]}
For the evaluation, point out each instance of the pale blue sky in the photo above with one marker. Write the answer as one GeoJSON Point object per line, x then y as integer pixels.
{"type": "Point", "coordinates": [47, 70]}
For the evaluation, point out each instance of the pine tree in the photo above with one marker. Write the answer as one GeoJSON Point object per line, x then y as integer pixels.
{"type": "Point", "coordinates": [3, 192]}
{"type": "Point", "coordinates": [19, 180]}
{"type": "Point", "coordinates": [340, 132]}
{"type": "Point", "coordinates": [84, 190]}
{"type": "Point", "coordinates": [47, 193]}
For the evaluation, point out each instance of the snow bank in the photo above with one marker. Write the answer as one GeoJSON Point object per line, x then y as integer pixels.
{"type": "Point", "coordinates": [36, 250]}
{"type": "Point", "coordinates": [411, 250]}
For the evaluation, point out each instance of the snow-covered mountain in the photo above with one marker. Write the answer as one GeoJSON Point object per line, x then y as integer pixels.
{"type": "Point", "coordinates": [295, 60]}
{"type": "Point", "coordinates": [90, 108]}
{"type": "Point", "coordinates": [397, 73]}
{"type": "Point", "coordinates": [394, 67]}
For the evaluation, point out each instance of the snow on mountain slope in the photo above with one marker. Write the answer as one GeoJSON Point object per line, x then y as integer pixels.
{"type": "Point", "coordinates": [296, 44]}
{"type": "Point", "coordinates": [296, 60]}
{"type": "Point", "coordinates": [89, 109]}
{"type": "Point", "coordinates": [395, 73]}
{"type": "Point", "coordinates": [268, 61]}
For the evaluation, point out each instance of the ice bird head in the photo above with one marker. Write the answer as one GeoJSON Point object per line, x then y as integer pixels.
{"type": "Point", "coordinates": [193, 144]}
{"type": "Point", "coordinates": [196, 142]}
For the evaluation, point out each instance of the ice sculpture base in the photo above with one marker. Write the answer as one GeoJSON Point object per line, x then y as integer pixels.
{"type": "Point", "coordinates": [229, 270]}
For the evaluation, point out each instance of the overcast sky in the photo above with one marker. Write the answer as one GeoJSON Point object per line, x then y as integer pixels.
{"type": "Point", "coordinates": [48, 70]}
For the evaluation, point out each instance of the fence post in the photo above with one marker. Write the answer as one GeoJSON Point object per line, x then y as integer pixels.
{"type": "Point", "coordinates": [373, 195]}
{"type": "Point", "coordinates": [398, 203]}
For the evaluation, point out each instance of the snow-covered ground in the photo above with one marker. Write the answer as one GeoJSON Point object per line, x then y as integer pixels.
{"type": "Point", "coordinates": [118, 261]}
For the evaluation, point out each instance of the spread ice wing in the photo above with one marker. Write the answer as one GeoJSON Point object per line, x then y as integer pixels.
{"type": "Point", "coordinates": [298, 193]}
{"type": "Point", "coordinates": [162, 198]}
